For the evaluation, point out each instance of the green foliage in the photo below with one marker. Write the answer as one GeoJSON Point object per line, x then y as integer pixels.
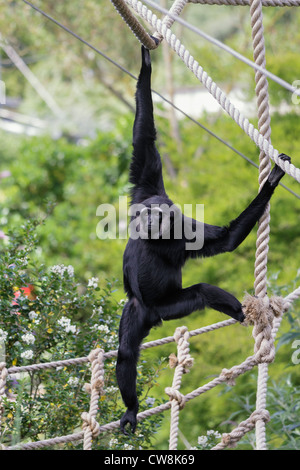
{"type": "Point", "coordinates": [97, 172]}
{"type": "Point", "coordinates": [283, 430]}
{"type": "Point", "coordinates": [70, 181]}
{"type": "Point", "coordinates": [64, 180]}
{"type": "Point", "coordinates": [47, 316]}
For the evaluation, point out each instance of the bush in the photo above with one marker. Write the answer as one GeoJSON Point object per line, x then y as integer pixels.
{"type": "Point", "coordinates": [45, 315]}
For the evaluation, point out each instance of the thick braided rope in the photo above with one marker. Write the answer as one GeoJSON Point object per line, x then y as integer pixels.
{"type": "Point", "coordinates": [265, 3]}
{"type": "Point", "coordinates": [134, 24]}
{"type": "Point", "coordinates": [47, 365]}
{"type": "Point", "coordinates": [262, 243]}
{"type": "Point", "coordinates": [226, 375]}
{"type": "Point", "coordinates": [211, 86]}
{"type": "Point", "coordinates": [113, 353]}
{"type": "Point", "coordinates": [265, 129]}
{"type": "Point", "coordinates": [3, 378]}
{"type": "Point", "coordinates": [184, 361]}
{"type": "Point", "coordinates": [262, 314]}
{"type": "Point", "coordinates": [290, 298]}
{"type": "Point", "coordinates": [230, 440]}
{"type": "Point", "coordinates": [175, 9]}
{"type": "Point", "coordinates": [90, 425]}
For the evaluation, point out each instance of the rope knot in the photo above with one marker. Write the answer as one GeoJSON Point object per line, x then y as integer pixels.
{"type": "Point", "coordinates": [184, 359]}
{"type": "Point", "coordinates": [260, 312]}
{"type": "Point", "coordinates": [96, 355]}
{"type": "Point", "coordinates": [229, 376]}
{"type": "Point", "coordinates": [173, 361]}
{"type": "Point", "coordinates": [90, 423]}
{"type": "Point", "coordinates": [260, 415]}
{"type": "Point", "coordinates": [176, 395]}
{"type": "Point", "coordinates": [96, 385]}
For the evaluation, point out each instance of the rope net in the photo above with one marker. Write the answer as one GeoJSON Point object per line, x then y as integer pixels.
{"type": "Point", "coordinates": [265, 316]}
{"type": "Point", "coordinates": [264, 313]}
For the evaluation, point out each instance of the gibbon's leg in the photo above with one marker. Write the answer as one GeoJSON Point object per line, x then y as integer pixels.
{"type": "Point", "coordinates": [131, 333]}
{"type": "Point", "coordinates": [198, 297]}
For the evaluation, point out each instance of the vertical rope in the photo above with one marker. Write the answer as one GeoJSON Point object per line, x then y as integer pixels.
{"type": "Point", "coordinates": [262, 243]}
{"type": "Point", "coordinates": [90, 425]}
{"type": "Point", "coordinates": [265, 129]}
{"type": "Point", "coordinates": [3, 377]}
{"type": "Point", "coordinates": [183, 361]}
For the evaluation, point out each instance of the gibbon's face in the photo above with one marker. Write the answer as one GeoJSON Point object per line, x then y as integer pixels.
{"type": "Point", "coordinates": [155, 219]}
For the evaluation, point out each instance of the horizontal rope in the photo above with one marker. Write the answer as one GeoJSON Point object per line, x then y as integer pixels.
{"type": "Point", "coordinates": [288, 300]}
{"type": "Point", "coordinates": [113, 353]}
{"type": "Point", "coordinates": [225, 376]}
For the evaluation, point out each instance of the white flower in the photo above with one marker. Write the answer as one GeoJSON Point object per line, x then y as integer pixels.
{"type": "Point", "coordinates": [65, 323]}
{"type": "Point", "coordinates": [27, 354]}
{"type": "Point", "coordinates": [113, 442]}
{"type": "Point", "coordinates": [150, 401]}
{"type": "Point", "coordinates": [60, 269]}
{"type": "Point", "coordinates": [98, 310]}
{"type": "Point", "coordinates": [103, 328]}
{"type": "Point", "coordinates": [32, 315]}
{"type": "Point", "coordinates": [202, 441]}
{"type": "Point", "coordinates": [128, 447]}
{"type": "Point", "coordinates": [73, 381]}
{"type": "Point", "coordinates": [71, 329]}
{"type": "Point", "coordinates": [111, 389]}
{"type": "Point", "coordinates": [3, 336]}
{"type": "Point", "coordinates": [216, 434]}
{"type": "Point", "coordinates": [28, 338]}
{"type": "Point", "coordinates": [93, 282]}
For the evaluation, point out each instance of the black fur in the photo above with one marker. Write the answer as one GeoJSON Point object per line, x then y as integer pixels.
{"type": "Point", "coordinates": [152, 267]}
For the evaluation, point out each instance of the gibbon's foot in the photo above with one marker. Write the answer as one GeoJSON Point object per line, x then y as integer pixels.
{"type": "Point", "coordinates": [240, 316]}
{"type": "Point", "coordinates": [277, 173]}
{"type": "Point", "coordinates": [128, 418]}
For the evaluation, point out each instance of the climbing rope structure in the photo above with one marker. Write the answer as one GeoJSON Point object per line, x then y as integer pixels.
{"type": "Point", "coordinates": [263, 313]}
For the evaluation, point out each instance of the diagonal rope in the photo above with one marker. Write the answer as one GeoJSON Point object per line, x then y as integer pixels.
{"type": "Point", "coordinates": [265, 3]}
{"type": "Point", "coordinates": [216, 42]}
{"type": "Point", "coordinates": [214, 90]}
{"type": "Point", "coordinates": [134, 24]}
{"type": "Point", "coordinates": [123, 69]}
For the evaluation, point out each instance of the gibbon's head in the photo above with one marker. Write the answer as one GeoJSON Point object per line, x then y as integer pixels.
{"type": "Point", "coordinates": [155, 218]}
